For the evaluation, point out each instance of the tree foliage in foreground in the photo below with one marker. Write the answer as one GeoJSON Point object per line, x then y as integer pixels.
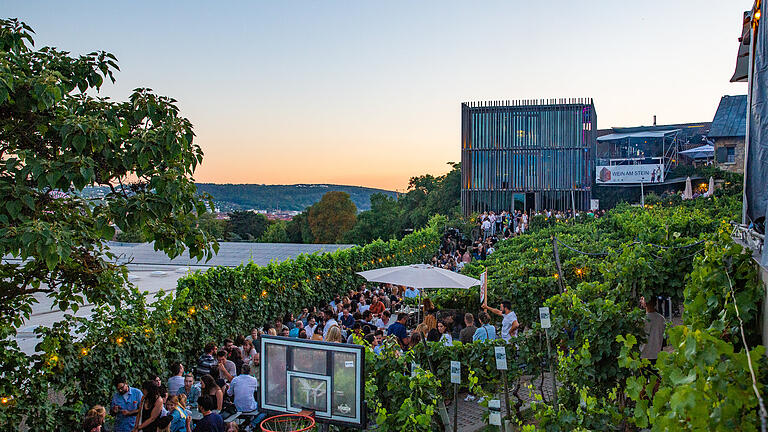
{"type": "Point", "coordinates": [57, 137]}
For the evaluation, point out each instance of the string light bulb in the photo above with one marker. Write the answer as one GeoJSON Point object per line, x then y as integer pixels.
{"type": "Point", "coordinates": [84, 352]}
{"type": "Point", "coordinates": [119, 340]}
{"type": "Point", "coordinates": [192, 310]}
{"type": "Point", "coordinates": [263, 293]}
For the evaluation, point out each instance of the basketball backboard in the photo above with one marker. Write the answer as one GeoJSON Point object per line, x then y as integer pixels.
{"type": "Point", "coordinates": [300, 374]}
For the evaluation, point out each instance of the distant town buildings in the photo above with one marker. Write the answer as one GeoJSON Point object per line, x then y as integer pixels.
{"type": "Point", "coordinates": [527, 155]}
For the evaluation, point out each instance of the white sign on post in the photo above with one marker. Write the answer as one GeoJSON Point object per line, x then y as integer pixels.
{"type": "Point", "coordinates": [544, 317]}
{"type": "Point", "coordinates": [455, 372]}
{"type": "Point", "coordinates": [501, 358]}
{"type": "Point", "coordinates": [494, 412]}
{"type": "Point", "coordinates": [413, 368]}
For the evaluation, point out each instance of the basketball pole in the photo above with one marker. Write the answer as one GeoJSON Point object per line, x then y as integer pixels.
{"type": "Point", "coordinates": [455, 407]}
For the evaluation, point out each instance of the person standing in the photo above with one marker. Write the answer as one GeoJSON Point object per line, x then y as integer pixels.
{"type": "Point", "coordinates": [125, 405]}
{"type": "Point", "coordinates": [486, 331]}
{"type": "Point", "coordinates": [466, 334]}
{"type": "Point", "coordinates": [151, 407]}
{"type": "Point", "coordinates": [654, 332]}
{"type": "Point", "coordinates": [509, 324]}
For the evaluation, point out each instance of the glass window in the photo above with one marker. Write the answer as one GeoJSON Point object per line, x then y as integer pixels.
{"type": "Point", "coordinates": [730, 155]}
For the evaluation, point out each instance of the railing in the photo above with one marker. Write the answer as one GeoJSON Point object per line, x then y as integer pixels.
{"type": "Point", "coordinates": [748, 237]}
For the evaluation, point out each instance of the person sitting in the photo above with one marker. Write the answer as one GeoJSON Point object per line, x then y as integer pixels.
{"type": "Point", "coordinates": [94, 419]}
{"type": "Point", "coordinates": [227, 368]}
{"type": "Point", "coordinates": [377, 306]}
{"type": "Point", "coordinates": [211, 421]}
{"type": "Point", "coordinates": [189, 390]}
{"type": "Point", "coordinates": [334, 335]}
{"type": "Point", "coordinates": [398, 328]}
{"type": "Point", "coordinates": [208, 387]}
{"type": "Point", "coordinates": [383, 322]}
{"type": "Point", "coordinates": [242, 388]}
{"type": "Point", "coordinates": [180, 416]}
{"type": "Point", "coordinates": [207, 364]}
{"type": "Point", "coordinates": [346, 319]}
{"type": "Point", "coordinates": [176, 381]}
{"type": "Point", "coordinates": [357, 330]}
{"type": "Point", "coordinates": [410, 292]}
{"type": "Point", "coordinates": [298, 327]}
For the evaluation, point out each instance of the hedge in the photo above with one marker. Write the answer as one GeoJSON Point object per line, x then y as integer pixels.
{"type": "Point", "coordinates": [80, 356]}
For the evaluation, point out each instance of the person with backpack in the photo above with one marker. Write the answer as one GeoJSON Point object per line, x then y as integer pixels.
{"type": "Point", "coordinates": [486, 331]}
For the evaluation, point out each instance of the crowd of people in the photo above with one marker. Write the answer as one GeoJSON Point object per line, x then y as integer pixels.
{"type": "Point", "coordinates": [225, 378]}
{"type": "Point", "coordinates": [456, 250]}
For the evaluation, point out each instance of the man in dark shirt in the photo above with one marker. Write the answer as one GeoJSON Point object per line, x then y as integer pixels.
{"type": "Point", "coordinates": [211, 421]}
{"type": "Point", "coordinates": [465, 336]}
{"type": "Point", "coordinates": [346, 319]}
{"type": "Point", "coordinates": [398, 328]}
{"type": "Point", "coordinates": [207, 363]}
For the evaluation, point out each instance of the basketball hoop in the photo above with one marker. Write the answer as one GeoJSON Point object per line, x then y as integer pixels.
{"type": "Point", "coordinates": [300, 422]}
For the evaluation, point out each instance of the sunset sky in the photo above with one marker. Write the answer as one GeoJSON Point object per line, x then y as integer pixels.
{"type": "Point", "coordinates": [368, 93]}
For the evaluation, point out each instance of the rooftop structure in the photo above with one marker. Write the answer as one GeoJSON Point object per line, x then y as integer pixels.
{"type": "Point", "coordinates": [527, 155]}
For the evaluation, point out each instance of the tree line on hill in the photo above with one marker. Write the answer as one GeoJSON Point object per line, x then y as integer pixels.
{"type": "Point", "coordinates": [335, 219]}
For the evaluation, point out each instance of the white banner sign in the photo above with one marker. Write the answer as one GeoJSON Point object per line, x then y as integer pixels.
{"type": "Point", "coordinates": [501, 358]}
{"type": "Point", "coordinates": [494, 412]}
{"type": "Point", "coordinates": [484, 287]}
{"type": "Point", "coordinates": [544, 317]}
{"type": "Point", "coordinates": [455, 372]}
{"type": "Point", "coordinates": [651, 173]}
{"type": "Point", "coordinates": [594, 204]}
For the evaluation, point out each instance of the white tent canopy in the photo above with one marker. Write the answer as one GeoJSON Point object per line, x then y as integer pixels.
{"type": "Point", "coordinates": [420, 276]}
{"type": "Point", "coordinates": [705, 151]}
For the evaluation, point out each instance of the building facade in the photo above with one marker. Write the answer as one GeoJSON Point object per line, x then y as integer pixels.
{"type": "Point", "coordinates": [728, 133]}
{"type": "Point", "coordinates": [527, 155]}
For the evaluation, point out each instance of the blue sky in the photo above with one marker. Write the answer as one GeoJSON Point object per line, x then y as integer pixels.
{"type": "Point", "coordinates": [368, 93]}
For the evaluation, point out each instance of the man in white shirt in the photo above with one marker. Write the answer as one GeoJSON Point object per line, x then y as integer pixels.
{"type": "Point", "coordinates": [486, 226]}
{"type": "Point", "coordinates": [509, 324]}
{"type": "Point", "coordinates": [329, 321]}
{"type": "Point", "coordinates": [242, 387]}
{"type": "Point", "coordinates": [384, 321]}
{"type": "Point", "coordinates": [310, 327]}
{"type": "Point", "coordinates": [362, 307]}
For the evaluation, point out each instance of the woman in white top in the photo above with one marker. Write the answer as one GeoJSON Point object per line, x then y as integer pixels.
{"type": "Point", "coordinates": [445, 337]}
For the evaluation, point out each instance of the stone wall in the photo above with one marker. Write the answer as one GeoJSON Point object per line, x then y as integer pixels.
{"type": "Point", "coordinates": [738, 144]}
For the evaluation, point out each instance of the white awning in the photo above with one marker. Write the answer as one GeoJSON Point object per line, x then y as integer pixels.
{"type": "Point", "coordinates": [647, 134]}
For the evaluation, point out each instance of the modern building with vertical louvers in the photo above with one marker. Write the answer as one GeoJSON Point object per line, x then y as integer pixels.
{"type": "Point", "coordinates": [527, 155]}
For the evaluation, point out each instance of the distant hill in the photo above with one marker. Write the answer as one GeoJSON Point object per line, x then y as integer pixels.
{"type": "Point", "coordinates": [282, 197]}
